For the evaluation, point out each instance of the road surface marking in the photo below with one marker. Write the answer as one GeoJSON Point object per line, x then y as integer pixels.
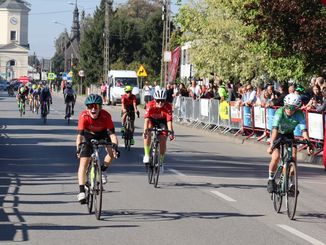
{"type": "Point", "coordinates": [225, 197]}
{"type": "Point", "coordinates": [176, 172]}
{"type": "Point", "coordinates": [301, 235]}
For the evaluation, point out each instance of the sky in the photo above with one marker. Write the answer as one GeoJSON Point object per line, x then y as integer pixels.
{"type": "Point", "coordinates": [42, 29]}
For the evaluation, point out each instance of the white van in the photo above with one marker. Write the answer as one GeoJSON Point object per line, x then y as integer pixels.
{"type": "Point", "coordinates": [118, 79]}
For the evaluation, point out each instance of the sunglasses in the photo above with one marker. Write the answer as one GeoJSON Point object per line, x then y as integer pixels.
{"type": "Point", "coordinates": [93, 106]}
{"type": "Point", "coordinates": [291, 107]}
{"type": "Point", "coordinates": [160, 101]}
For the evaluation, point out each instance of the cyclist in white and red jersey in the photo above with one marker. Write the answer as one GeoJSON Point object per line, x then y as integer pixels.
{"type": "Point", "coordinates": [158, 113]}
{"type": "Point", "coordinates": [94, 123]}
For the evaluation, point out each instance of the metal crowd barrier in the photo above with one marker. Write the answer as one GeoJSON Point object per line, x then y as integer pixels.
{"type": "Point", "coordinates": [225, 116]}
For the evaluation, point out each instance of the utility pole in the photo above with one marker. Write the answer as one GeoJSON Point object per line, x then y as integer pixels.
{"type": "Point", "coordinates": [166, 18]}
{"type": "Point", "coordinates": [106, 35]}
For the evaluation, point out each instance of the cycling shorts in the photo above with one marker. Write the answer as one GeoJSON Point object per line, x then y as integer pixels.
{"type": "Point", "coordinates": [159, 124]}
{"type": "Point", "coordinates": [131, 111]}
{"type": "Point", "coordinates": [87, 149]}
{"type": "Point", "coordinates": [286, 136]}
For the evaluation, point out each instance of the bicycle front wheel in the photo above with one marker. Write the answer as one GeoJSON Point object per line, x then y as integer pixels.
{"type": "Point", "coordinates": [291, 185]}
{"type": "Point", "coordinates": [150, 166]}
{"type": "Point", "coordinates": [156, 161]}
{"type": "Point", "coordinates": [277, 196]}
{"type": "Point", "coordinates": [98, 192]}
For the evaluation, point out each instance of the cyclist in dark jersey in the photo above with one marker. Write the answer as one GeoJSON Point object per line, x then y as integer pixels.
{"type": "Point", "coordinates": [129, 105]}
{"type": "Point", "coordinates": [94, 123]}
{"type": "Point", "coordinates": [286, 119]}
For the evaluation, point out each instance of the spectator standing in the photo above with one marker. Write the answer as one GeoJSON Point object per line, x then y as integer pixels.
{"type": "Point", "coordinates": [103, 93]}
{"type": "Point", "coordinates": [322, 107]}
{"type": "Point", "coordinates": [250, 96]}
{"type": "Point", "coordinates": [169, 93]}
{"type": "Point", "coordinates": [193, 89]}
{"type": "Point", "coordinates": [222, 92]}
{"type": "Point", "coordinates": [321, 82]}
{"type": "Point", "coordinates": [183, 90]}
{"type": "Point", "coordinates": [147, 93]}
{"type": "Point", "coordinates": [279, 101]}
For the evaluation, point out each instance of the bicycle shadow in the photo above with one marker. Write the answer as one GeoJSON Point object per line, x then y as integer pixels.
{"type": "Point", "coordinates": [147, 215]}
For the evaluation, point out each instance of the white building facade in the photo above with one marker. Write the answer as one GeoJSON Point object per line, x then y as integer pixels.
{"type": "Point", "coordinates": [14, 45]}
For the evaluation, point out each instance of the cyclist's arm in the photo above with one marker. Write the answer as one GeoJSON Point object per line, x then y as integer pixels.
{"type": "Point", "coordinates": [170, 126]}
{"type": "Point", "coordinates": [135, 105]}
{"type": "Point", "coordinates": [113, 136]}
{"type": "Point", "coordinates": [146, 124]}
{"type": "Point", "coordinates": [79, 139]}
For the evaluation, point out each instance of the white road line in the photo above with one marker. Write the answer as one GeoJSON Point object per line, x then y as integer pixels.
{"type": "Point", "coordinates": [176, 172]}
{"type": "Point", "coordinates": [301, 235]}
{"type": "Point", "coordinates": [225, 197]}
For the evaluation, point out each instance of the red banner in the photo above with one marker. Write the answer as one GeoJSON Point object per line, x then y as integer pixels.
{"type": "Point", "coordinates": [174, 65]}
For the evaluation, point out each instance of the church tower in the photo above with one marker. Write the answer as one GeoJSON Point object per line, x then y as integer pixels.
{"type": "Point", "coordinates": [75, 29]}
{"type": "Point", "coordinates": [14, 44]}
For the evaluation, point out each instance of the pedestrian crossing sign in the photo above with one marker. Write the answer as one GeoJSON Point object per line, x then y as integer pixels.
{"type": "Point", "coordinates": [141, 72]}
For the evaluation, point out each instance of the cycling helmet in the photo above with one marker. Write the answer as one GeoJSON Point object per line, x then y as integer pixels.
{"type": "Point", "coordinates": [160, 94]}
{"type": "Point", "coordinates": [69, 85]}
{"type": "Point", "coordinates": [93, 99]}
{"type": "Point", "coordinates": [22, 89]}
{"type": "Point", "coordinates": [128, 88]}
{"type": "Point", "coordinates": [292, 100]}
{"type": "Point", "coordinates": [34, 86]}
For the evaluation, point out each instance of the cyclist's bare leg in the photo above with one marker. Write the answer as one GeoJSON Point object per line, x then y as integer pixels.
{"type": "Point", "coordinates": [123, 118]}
{"type": "Point", "coordinates": [83, 164]}
{"type": "Point", "coordinates": [274, 161]}
{"type": "Point", "coordinates": [162, 145]}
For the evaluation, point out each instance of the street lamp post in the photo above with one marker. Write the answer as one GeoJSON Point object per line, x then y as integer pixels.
{"type": "Point", "coordinates": [65, 44]}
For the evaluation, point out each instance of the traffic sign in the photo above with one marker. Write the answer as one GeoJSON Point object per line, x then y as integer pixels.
{"type": "Point", "coordinates": [81, 73]}
{"type": "Point", "coordinates": [141, 72]}
{"type": "Point", "coordinates": [51, 76]}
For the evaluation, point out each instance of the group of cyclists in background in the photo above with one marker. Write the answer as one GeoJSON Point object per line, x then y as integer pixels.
{"type": "Point", "coordinates": [38, 96]}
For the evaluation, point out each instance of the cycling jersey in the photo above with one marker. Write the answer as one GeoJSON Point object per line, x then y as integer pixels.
{"type": "Point", "coordinates": [163, 113]}
{"type": "Point", "coordinates": [69, 95]}
{"type": "Point", "coordinates": [87, 124]}
{"type": "Point", "coordinates": [45, 95]}
{"type": "Point", "coordinates": [128, 101]}
{"type": "Point", "coordinates": [286, 124]}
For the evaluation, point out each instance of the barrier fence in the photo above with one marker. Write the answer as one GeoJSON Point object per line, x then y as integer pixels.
{"type": "Point", "coordinates": [252, 122]}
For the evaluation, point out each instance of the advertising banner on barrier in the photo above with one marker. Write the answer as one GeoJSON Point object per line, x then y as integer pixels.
{"type": "Point", "coordinates": [224, 110]}
{"type": "Point", "coordinates": [235, 112]}
{"type": "Point", "coordinates": [247, 122]}
{"type": "Point", "coordinates": [259, 117]}
{"type": "Point", "coordinates": [270, 117]}
{"type": "Point", "coordinates": [204, 107]}
{"type": "Point", "coordinates": [315, 126]}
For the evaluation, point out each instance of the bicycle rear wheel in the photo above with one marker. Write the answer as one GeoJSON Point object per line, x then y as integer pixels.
{"type": "Point", "coordinates": [69, 113]}
{"type": "Point", "coordinates": [89, 197]}
{"type": "Point", "coordinates": [291, 189]}
{"type": "Point", "coordinates": [127, 137]}
{"type": "Point", "coordinates": [156, 161]}
{"type": "Point", "coordinates": [98, 192]}
{"type": "Point", "coordinates": [277, 196]}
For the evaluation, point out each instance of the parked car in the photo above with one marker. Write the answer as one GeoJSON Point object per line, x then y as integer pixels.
{"type": "Point", "coordinates": [4, 85]}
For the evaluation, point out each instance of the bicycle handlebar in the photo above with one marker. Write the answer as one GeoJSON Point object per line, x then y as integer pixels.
{"type": "Point", "coordinates": [285, 141]}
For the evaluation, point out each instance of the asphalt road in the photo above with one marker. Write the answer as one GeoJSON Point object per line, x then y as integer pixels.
{"type": "Point", "coordinates": [213, 190]}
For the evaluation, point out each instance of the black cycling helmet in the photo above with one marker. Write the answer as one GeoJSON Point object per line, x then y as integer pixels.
{"type": "Point", "coordinates": [93, 99]}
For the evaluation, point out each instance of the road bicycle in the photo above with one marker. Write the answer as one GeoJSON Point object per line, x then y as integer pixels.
{"type": "Point", "coordinates": [44, 110]}
{"type": "Point", "coordinates": [36, 104]}
{"type": "Point", "coordinates": [128, 133]}
{"type": "Point", "coordinates": [21, 106]}
{"type": "Point", "coordinates": [94, 186]}
{"type": "Point", "coordinates": [154, 166]}
{"type": "Point", "coordinates": [286, 176]}
{"type": "Point", "coordinates": [68, 111]}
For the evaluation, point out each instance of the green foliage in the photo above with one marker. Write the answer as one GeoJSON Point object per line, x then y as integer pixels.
{"type": "Point", "coordinates": [254, 38]}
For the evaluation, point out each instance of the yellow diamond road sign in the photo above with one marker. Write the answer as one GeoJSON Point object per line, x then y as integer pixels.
{"type": "Point", "coordinates": [141, 72]}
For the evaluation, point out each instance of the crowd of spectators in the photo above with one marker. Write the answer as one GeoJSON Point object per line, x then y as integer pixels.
{"type": "Point", "coordinates": [265, 95]}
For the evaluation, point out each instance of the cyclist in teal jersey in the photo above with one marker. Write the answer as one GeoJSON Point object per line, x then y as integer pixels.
{"type": "Point", "coordinates": [286, 119]}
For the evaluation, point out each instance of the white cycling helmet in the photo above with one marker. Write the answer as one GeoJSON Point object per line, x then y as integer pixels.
{"type": "Point", "coordinates": [160, 94]}
{"type": "Point", "coordinates": [293, 99]}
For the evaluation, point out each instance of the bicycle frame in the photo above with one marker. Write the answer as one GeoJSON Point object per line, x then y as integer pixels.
{"type": "Point", "coordinates": [286, 157]}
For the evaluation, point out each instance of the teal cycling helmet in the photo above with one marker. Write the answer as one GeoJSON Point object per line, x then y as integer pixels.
{"type": "Point", "coordinates": [93, 99]}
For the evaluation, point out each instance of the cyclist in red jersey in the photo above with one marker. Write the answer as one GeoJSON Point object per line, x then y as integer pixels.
{"type": "Point", "coordinates": [158, 113]}
{"type": "Point", "coordinates": [129, 105]}
{"type": "Point", "coordinates": [94, 123]}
